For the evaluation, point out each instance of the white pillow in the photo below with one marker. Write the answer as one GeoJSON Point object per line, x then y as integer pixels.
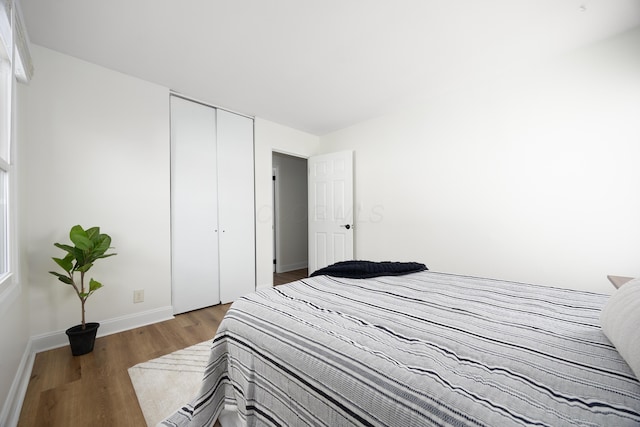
{"type": "Point", "coordinates": [620, 321]}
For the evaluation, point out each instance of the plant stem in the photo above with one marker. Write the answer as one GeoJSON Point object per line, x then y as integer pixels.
{"type": "Point", "coordinates": [82, 300]}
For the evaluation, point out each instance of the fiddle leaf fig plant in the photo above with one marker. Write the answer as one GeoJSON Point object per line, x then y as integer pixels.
{"type": "Point", "coordinates": [89, 246]}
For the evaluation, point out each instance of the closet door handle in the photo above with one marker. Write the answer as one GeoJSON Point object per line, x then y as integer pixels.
{"type": "Point", "coordinates": [347, 226]}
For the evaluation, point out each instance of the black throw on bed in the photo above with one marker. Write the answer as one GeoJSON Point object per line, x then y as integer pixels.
{"type": "Point", "coordinates": [367, 269]}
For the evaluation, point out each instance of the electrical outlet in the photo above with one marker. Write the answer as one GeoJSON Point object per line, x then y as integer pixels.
{"type": "Point", "coordinates": [138, 296]}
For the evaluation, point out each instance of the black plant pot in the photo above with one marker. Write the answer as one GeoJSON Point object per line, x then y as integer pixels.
{"type": "Point", "coordinates": [82, 340]}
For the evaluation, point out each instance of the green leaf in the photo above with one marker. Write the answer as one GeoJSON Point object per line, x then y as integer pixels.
{"type": "Point", "coordinates": [101, 244]}
{"type": "Point", "coordinates": [70, 257]}
{"type": "Point", "coordinates": [79, 257]}
{"type": "Point", "coordinates": [93, 232]}
{"type": "Point", "coordinates": [66, 263]}
{"type": "Point", "coordinates": [84, 268]}
{"type": "Point", "coordinates": [64, 279]}
{"type": "Point", "coordinates": [105, 256]}
{"type": "Point", "coordinates": [67, 248]}
{"type": "Point", "coordinates": [94, 285]}
{"type": "Point", "coordinates": [80, 238]}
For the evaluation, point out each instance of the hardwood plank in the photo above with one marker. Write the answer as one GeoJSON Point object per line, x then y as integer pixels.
{"type": "Point", "coordinates": [51, 369]}
{"type": "Point", "coordinates": [289, 276]}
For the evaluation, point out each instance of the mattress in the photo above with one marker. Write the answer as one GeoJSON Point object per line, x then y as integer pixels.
{"type": "Point", "coordinates": [424, 349]}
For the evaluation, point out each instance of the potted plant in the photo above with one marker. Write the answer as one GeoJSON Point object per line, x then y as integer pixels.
{"type": "Point", "coordinates": [89, 246]}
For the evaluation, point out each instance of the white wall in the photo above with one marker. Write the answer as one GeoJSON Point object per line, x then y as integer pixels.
{"type": "Point", "coordinates": [270, 137]}
{"type": "Point", "coordinates": [533, 178]}
{"type": "Point", "coordinates": [291, 212]}
{"type": "Point", "coordinates": [95, 152]}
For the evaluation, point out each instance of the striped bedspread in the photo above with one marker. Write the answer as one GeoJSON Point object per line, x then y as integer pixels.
{"type": "Point", "coordinates": [426, 349]}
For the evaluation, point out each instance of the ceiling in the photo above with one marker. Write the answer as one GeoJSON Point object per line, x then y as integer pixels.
{"type": "Point", "coordinates": [319, 66]}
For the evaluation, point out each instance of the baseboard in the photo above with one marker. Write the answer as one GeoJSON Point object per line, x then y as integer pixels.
{"type": "Point", "coordinates": [57, 339]}
{"type": "Point", "coordinates": [10, 414]}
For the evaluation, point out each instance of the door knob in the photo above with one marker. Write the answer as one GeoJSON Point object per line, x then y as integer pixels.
{"type": "Point", "coordinates": [347, 226]}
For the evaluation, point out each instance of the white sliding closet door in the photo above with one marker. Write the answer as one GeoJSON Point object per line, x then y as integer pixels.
{"type": "Point", "coordinates": [236, 205]}
{"type": "Point", "coordinates": [194, 206]}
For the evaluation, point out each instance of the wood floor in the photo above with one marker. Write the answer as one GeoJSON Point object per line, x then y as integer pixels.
{"type": "Point", "coordinates": [289, 276]}
{"type": "Point", "coordinates": [95, 389]}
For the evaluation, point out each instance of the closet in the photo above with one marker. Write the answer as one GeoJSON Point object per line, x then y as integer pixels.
{"type": "Point", "coordinates": [212, 205]}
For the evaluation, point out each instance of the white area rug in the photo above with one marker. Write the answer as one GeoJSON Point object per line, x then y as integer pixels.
{"type": "Point", "coordinates": [164, 384]}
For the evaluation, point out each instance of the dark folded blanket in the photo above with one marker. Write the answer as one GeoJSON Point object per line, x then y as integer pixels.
{"type": "Point", "coordinates": [365, 269]}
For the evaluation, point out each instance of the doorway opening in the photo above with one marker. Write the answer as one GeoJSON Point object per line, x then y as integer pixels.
{"type": "Point", "coordinates": [290, 216]}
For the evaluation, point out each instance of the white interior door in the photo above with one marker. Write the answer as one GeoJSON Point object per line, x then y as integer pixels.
{"type": "Point", "coordinates": [194, 211]}
{"type": "Point", "coordinates": [330, 209]}
{"type": "Point", "coordinates": [236, 206]}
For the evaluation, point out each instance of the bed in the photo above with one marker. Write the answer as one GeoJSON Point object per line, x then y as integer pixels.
{"type": "Point", "coordinates": [421, 349]}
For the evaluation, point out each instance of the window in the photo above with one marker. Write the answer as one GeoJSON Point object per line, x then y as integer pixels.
{"type": "Point", "coordinates": [15, 65]}
{"type": "Point", "coordinates": [5, 163]}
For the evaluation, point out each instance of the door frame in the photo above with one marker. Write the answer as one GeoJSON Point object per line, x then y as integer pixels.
{"type": "Point", "coordinates": [275, 197]}
{"type": "Point", "coordinates": [275, 212]}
